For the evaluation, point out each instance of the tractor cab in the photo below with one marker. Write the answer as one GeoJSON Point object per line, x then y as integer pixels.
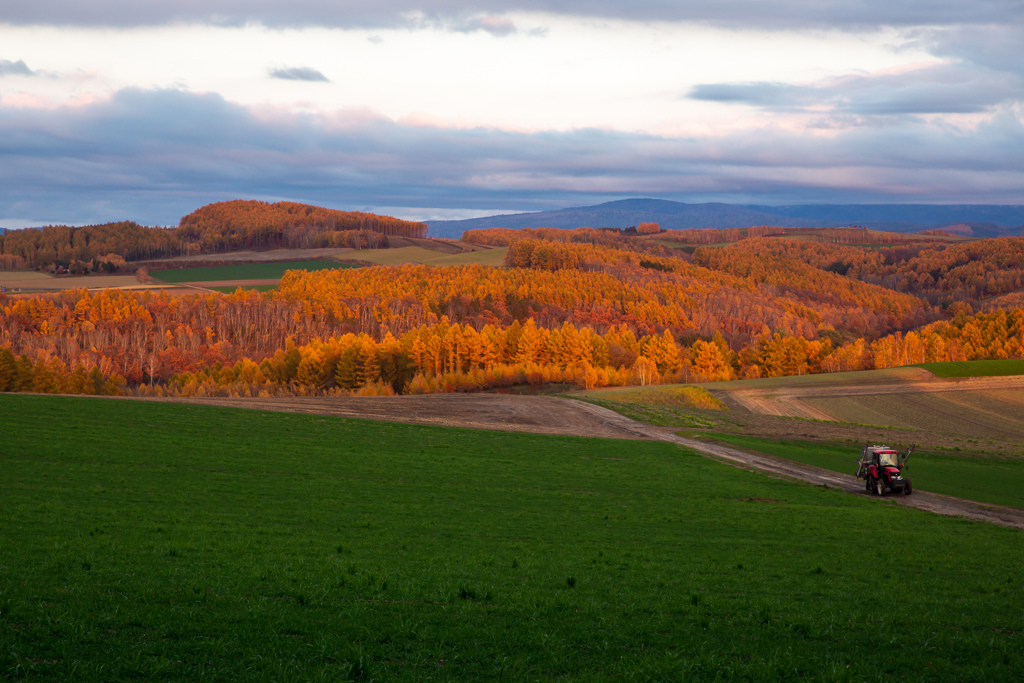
{"type": "Point", "coordinates": [887, 459]}
{"type": "Point", "coordinates": [881, 468]}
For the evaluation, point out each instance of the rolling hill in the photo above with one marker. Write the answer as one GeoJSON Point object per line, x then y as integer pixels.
{"type": "Point", "coordinates": [985, 221]}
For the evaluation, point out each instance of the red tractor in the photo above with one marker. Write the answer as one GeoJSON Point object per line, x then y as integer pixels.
{"type": "Point", "coordinates": [881, 468]}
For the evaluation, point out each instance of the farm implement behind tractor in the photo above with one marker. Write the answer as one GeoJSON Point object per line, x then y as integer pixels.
{"type": "Point", "coordinates": [882, 470]}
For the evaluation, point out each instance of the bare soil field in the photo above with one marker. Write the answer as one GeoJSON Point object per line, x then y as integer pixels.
{"type": "Point", "coordinates": [253, 256]}
{"type": "Point", "coordinates": [985, 407]}
{"type": "Point", "coordinates": [30, 280]}
{"type": "Point", "coordinates": [504, 412]}
{"type": "Point", "coordinates": [547, 415]}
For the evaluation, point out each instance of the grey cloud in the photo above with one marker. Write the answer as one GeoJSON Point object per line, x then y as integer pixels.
{"type": "Point", "coordinates": [377, 13]}
{"type": "Point", "coordinates": [496, 26]}
{"type": "Point", "coordinates": [18, 68]}
{"type": "Point", "coordinates": [149, 155]}
{"type": "Point", "coordinates": [996, 47]}
{"type": "Point", "coordinates": [944, 89]}
{"type": "Point", "coordinates": [761, 94]}
{"type": "Point", "coordinates": [299, 74]}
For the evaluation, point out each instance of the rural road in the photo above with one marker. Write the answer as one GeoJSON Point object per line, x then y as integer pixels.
{"type": "Point", "coordinates": [547, 415]}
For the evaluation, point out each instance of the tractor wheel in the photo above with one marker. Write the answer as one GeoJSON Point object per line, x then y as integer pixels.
{"type": "Point", "coordinates": [868, 486]}
{"type": "Point", "coordinates": [906, 489]}
{"type": "Point", "coordinates": [879, 487]}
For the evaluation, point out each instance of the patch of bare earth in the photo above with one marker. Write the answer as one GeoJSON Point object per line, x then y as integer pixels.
{"type": "Point", "coordinates": [793, 401]}
{"type": "Point", "coordinates": [14, 281]}
{"type": "Point", "coordinates": [535, 414]}
{"type": "Point", "coordinates": [981, 413]}
{"type": "Point", "coordinates": [546, 415]}
{"type": "Point", "coordinates": [239, 257]}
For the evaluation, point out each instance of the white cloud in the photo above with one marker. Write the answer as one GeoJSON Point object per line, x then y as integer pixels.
{"type": "Point", "coordinates": [618, 75]}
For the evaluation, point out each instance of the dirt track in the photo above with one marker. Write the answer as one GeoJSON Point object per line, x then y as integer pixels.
{"type": "Point", "coordinates": [546, 415]}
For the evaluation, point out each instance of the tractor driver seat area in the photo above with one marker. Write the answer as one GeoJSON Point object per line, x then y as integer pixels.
{"type": "Point", "coordinates": [887, 459]}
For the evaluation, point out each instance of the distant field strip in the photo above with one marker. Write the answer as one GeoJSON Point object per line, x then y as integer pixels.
{"type": "Point", "coordinates": [976, 368]}
{"type": "Point", "coordinates": [245, 271]}
{"type": "Point", "coordinates": [993, 406]}
{"type": "Point", "coordinates": [31, 280]}
{"type": "Point", "coordinates": [985, 414]}
{"type": "Point", "coordinates": [429, 257]}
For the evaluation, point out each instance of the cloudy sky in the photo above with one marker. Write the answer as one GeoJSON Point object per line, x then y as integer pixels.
{"type": "Point", "coordinates": [147, 109]}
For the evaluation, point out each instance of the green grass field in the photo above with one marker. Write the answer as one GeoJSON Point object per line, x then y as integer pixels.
{"type": "Point", "coordinates": [987, 479]}
{"type": "Point", "coordinates": [976, 368]}
{"type": "Point", "coordinates": [245, 271]}
{"type": "Point", "coordinates": [158, 541]}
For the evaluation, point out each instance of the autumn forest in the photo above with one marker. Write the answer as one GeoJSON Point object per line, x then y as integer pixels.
{"type": "Point", "coordinates": [583, 307]}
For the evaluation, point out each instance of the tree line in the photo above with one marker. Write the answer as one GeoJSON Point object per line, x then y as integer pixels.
{"type": "Point", "coordinates": [215, 228]}
{"type": "Point", "coordinates": [582, 309]}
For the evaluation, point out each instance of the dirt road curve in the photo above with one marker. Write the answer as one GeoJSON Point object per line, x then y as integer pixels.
{"type": "Point", "coordinates": [546, 415]}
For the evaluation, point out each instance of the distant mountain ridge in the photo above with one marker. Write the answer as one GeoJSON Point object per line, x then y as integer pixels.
{"type": "Point", "coordinates": [985, 220]}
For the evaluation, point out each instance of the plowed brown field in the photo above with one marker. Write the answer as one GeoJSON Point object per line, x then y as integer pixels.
{"type": "Point", "coordinates": [982, 407]}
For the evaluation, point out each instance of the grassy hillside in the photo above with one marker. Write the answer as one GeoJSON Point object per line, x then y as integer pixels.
{"type": "Point", "coordinates": [245, 271]}
{"type": "Point", "coordinates": [987, 479]}
{"type": "Point", "coordinates": [164, 541]}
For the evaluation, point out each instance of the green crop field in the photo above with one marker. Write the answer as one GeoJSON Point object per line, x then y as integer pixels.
{"type": "Point", "coordinates": [160, 541]}
{"type": "Point", "coordinates": [976, 368]}
{"type": "Point", "coordinates": [989, 479]}
{"type": "Point", "coordinates": [245, 271]}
